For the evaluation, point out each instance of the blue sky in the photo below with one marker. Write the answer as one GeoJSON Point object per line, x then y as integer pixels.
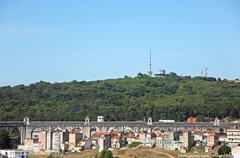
{"type": "Point", "coordinates": [64, 40]}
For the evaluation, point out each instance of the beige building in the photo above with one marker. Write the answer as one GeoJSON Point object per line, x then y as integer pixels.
{"type": "Point", "coordinates": [211, 140]}
{"type": "Point", "coordinates": [74, 138]}
{"type": "Point", "coordinates": [187, 139]}
{"type": "Point", "coordinates": [28, 145]}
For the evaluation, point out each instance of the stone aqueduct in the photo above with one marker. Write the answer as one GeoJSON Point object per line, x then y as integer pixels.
{"type": "Point", "coordinates": [26, 127]}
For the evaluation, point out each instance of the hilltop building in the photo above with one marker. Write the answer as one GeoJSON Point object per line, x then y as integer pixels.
{"type": "Point", "coordinates": [161, 74]}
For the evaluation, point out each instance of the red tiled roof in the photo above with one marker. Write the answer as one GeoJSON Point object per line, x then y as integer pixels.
{"type": "Point", "coordinates": [210, 132]}
{"type": "Point", "coordinates": [116, 137]}
{"type": "Point", "coordinates": [99, 134]}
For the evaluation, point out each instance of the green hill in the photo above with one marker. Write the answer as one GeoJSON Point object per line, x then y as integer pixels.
{"type": "Point", "coordinates": [123, 99]}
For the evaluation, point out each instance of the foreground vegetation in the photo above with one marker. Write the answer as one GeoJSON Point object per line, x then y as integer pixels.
{"type": "Point", "coordinates": [123, 99]}
{"type": "Point", "coordinates": [9, 140]}
{"type": "Point", "coordinates": [5, 140]}
{"type": "Point", "coordinates": [105, 154]}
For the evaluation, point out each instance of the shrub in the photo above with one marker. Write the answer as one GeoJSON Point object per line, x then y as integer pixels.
{"type": "Point", "coordinates": [134, 144]}
{"type": "Point", "coordinates": [224, 150]}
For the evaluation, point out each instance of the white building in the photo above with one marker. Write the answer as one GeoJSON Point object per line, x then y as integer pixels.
{"type": "Point", "coordinates": [159, 141]}
{"type": "Point", "coordinates": [49, 140]}
{"type": "Point", "coordinates": [233, 136]}
{"type": "Point", "coordinates": [198, 137]}
{"type": "Point", "coordinates": [104, 142]}
{"type": "Point", "coordinates": [56, 140]}
{"type": "Point", "coordinates": [14, 154]}
{"type": "Point", "coordinates": [100, 119]}
{"type": "Point", "coordinates": [223, 138]}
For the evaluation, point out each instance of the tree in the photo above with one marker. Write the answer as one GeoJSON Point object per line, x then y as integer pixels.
{"type": "Point", "coordinates": [224, 150]}
{"type": "Point", "coordinates": [141, 75]}
{"type": "Point", "coordinates": [200, 118]}
{"type": "Point", "coordinates": [172, 75]}
{"type": "Point", "coordinates": [210, 79]}
{"type": "Point", "coordinates": [4, 140]}
{"type": "Point", "coordinates": [102, 154]}
{"type": "Point", "coordinates": [106, 154]}
{"type": "Point", "coordinates": [122, 99]}
{"type": "Point", "coordinates": [54, 156]}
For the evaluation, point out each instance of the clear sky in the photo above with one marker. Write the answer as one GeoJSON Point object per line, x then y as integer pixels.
{"type": "Point", "coordinates": [55, 41]}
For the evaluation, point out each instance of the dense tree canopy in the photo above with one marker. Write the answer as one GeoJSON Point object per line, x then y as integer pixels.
{"type": "Point", "coordinates": [123, 99]}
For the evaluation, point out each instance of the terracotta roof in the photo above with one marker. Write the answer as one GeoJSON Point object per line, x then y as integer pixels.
{"type": "Point", "coordinates": [116, 137]}
{"type": "Point", "coordinates": [158, 130]}
{"type": "Point", "coordinates": [211, 132]}
{"type": "Point", "coordinates": [99, 134]}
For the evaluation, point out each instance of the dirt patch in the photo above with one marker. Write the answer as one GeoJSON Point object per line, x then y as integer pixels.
{"type": "Point", "coordinates": [123, 153]}
{"type": "Point", "coordinates": [140, 153]}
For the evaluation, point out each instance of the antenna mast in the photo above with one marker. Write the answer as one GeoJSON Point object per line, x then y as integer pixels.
{"type": "Point", "coordinates": [150, 64]}
{"type": "Point", "coordinates": [206, 72]}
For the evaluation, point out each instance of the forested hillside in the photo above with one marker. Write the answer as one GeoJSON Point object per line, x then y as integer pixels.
{"type": "Point", "coordinates": [122, 99]}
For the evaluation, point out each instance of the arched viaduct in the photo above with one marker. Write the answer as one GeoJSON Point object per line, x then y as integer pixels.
{"type": "Point", "coordinates": [26, 127]}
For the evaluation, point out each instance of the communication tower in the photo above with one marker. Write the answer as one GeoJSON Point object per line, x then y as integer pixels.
{"type": "Point", "coordinates": [206, 72]}
{"type": "Point", "coordinates": [150, 64]}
